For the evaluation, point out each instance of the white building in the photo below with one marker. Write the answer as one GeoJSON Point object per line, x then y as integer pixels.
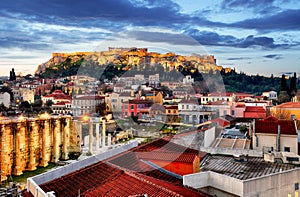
{"type": "Point", "coordinates": [191, 112]}
{"type": "Point", "coordinates": [62, 108]}
{"type": "Point", "coordinates": [86, 104]}
{"type": "Point", "coordinates": [272, 95]}
{"type": "Point", "coordinates": [5, 99]}
{"type": "Point", "coordinates": [23, 94]}
{"type": "Point", "coordinates": [188, 80]}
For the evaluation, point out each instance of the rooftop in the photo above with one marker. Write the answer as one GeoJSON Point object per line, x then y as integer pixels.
{"type": "Point", "coordinates": [128, 174]}
{"type": "Point", "coordinates": [289, 105]}
{"type": "Point", "coordinates": [254, 167]}
{"type": "Point", "coordinates": [102, 179]}
{"type": "Point", "coordinates": [270, 125]}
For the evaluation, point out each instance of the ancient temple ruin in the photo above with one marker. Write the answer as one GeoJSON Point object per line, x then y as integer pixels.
{"type": "Point", "coordinates": [31, 142]}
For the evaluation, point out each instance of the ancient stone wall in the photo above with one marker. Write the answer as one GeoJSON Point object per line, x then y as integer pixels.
{"type": "Point", "coordinates": [28, 143]}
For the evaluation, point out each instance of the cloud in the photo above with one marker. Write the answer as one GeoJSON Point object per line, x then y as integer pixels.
{"type": "Point", "coordinates": [170, 38]}
{"type": "Point", "coordinates": [238, 58]}
{"type": "Point", "coordinates": [285, 20]}
{"type": "Point", "coordinates": [215, 39]}
{"type": "Point", "coordinates": [100, 13]}
{"type": "Point", "coordinates": [258, 6]}
{"type": "Point", "coordinates": [273, 56]}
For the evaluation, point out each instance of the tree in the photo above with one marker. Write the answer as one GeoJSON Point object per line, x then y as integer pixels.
{"type": "Point", "coordinates": [283, 86]}
{"type": "Point", "coordinates": [281, 114]}
{"type": "Point", "coordinates": [283, 97]}
{"type": "Point", "coordinates": [293, 86]}
{"type": "Point", "coordinates": [101, 109]}
{"type": "Point", "coordinates": [12, 75]}
{"type": "Point", "coordinates": [49, 103]}
{"type": "Point", "coordinates": [24, 105]}
{"type": "Point", "coordinates": [79, 91]}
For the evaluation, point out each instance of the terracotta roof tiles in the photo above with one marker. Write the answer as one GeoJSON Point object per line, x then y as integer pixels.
{"type": "Point", "coordinates": [270, 125]}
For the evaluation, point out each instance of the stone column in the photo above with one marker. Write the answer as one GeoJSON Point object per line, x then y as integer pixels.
{"type": "Point", "coordinates": [103, 132]}
{"type": "Point", "coordinates": [97, 136]}
{"type": "Point", "coordinates": [33, 133]}
{"type": "Point", "coordinates": [18, 149]}
{"type": "Point", "coordinates": [44, 160]}
{"type": "Point", "coordinates": [66, 133]}
{"type": "Point", "coordinates": [56, 141]}
{"type": "Point", "coordinates": [6, 146]}
{"type": "Point", "coordinates": [79, 127]}
{"type": "Point", "coordinates": [109, 140]}
{"type": "Point", "coordinates": [90, 138]}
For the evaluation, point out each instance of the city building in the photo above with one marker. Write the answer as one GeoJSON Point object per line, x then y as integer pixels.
{"type": "Point", "coordinates": [135, 107]}
{"type": "Point", "coordinates": [5, 99]}
{"type": "Point", "coordinates": [56, 96]}
{"type": "Point", "coordinates": [23, 94]}
{"type": "Point", "coordinates": [86, 104]}
{"type": "Point", "coordinates": [289, 110]}
{"type": "Point", "coordinates": [188, 80]}
{"type": "Point", "coordinates": [190, 112]}
{"type": "Point", "coordinates": [155, 96]}
{"type": "Point", "coordinates": [276, 135]}
{"type": "Point", "coordinates": [62, 108]}
{"type": "Point", "coordinates": [229, 176]}
{"type": "Point", "coordinates": [172, 114]}
{"type": "Point", "coordinates": [271, 95]}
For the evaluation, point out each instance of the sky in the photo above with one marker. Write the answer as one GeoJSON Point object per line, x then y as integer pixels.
{"type": "Point", "coordinates": [253, 36]}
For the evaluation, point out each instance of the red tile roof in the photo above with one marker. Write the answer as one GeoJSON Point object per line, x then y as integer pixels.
{"type": "Point", "coordinates": [137, 101]}
{"type": "Point", "coordinates": [289, 105]}
{"type": "Point", "coordinates": [58, 94]}
{"type": "Point", "coordinates": [270, 125]}
{"type": "Point", "coordinates": [130, 161]}
{"type": "Point", "coordinates": [171, 107]}
{"type": "Point", "coordinates": [127, 174]}
{"type": "Point", "coordinates": [176, 157]}
{"type": "Point", "coordinates": [61, 103]}
{"type": "Point", "coordinates": [221, 122]}
{"type": "Point", "coordinates": [102, 179]}
{"type": "Point", "coordinates": [255, 112]}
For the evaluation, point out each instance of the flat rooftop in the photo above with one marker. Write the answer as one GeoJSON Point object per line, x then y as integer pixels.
{"type": "Point", "coordinates": [254, 167]}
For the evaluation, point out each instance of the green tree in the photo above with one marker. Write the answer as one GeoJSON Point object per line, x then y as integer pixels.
{"type": "Point", "coordinates": [293, 86]}
{"type": "Point", "coordinates": [283, 86]}
{"type": "Point", "coordinates": [283, 97]}
{"type": "Point", "coordinates": [49, 103]}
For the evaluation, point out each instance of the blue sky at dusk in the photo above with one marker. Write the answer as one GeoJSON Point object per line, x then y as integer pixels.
{"type": "Point", "coordinates": [254, 36]}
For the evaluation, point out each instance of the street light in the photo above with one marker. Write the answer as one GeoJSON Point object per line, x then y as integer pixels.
{"type": "Point", "coordinates": [86, 118]}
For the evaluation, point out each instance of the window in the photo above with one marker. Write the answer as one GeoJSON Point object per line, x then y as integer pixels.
{"type": "Point", "coordinates": [182, 106]}
{"type": "Point", "coordinates": [169, 111]}
{"type": "Point", "coordinates": [225, 113]}
{"type": "Point", "coordinates": [232, 112]}
{"type": "Point", "coordinates": [187, 106]}
{"type": "Point", "coordinates": [132, 106]}
{"type": "Point", "coordinates": [287, 149]}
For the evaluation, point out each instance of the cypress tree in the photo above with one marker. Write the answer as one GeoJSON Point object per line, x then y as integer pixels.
{"type": "Point", "coordinates": [283, 86]}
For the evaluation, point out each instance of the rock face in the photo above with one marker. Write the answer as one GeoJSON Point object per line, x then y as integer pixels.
{"type": "Point", "coordinates": [134, 56]}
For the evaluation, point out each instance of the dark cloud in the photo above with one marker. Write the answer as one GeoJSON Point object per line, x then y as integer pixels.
{"type": "Point", "coordinates": [285, 20]}
{"type": "Point", "coordinates": [171, 38]}
{"type": "Point", "coordinates": [238, 58]}
{"type": "Point", "coordinates": [273, 56]}
{"type": "Point", "coordinates": [214, 39]}
{"type": "Point", "coordinates": [101, 13]}
{"type": "Point", "coordinates": [258, 6]}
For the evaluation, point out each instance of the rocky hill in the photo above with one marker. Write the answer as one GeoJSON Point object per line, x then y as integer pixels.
{"type": "Point", "coordinates": [64, 64]}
